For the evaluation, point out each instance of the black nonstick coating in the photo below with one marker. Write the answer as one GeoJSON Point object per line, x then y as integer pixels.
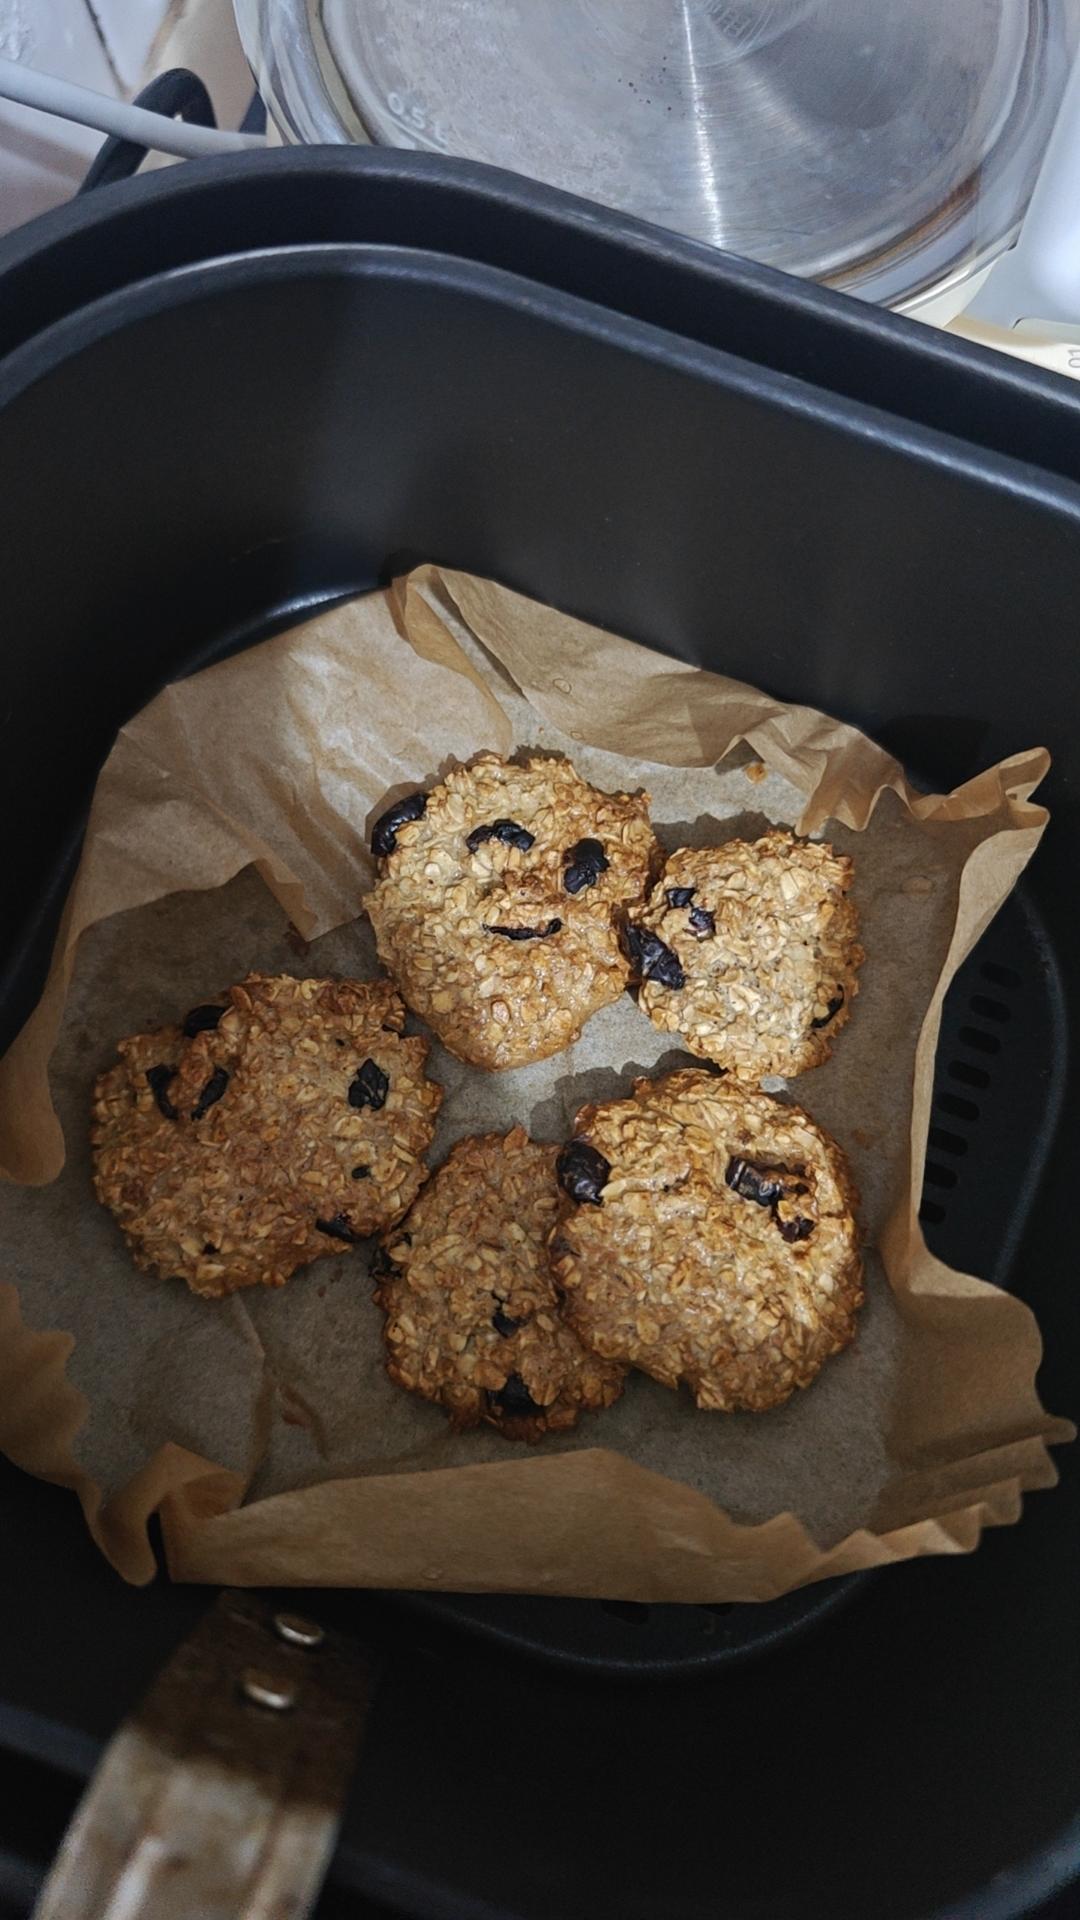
{"type": "Point", "coordinates": [744, 472]}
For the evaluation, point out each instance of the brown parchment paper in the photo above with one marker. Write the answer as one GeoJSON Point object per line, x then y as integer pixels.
{"type": "Point", "coordinates": [228, 829]}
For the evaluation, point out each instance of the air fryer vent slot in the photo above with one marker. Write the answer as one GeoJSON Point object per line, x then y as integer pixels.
{"type": "Point", "coordinates": [999, 1056]}
{"type": "Point", "coordinates": [1000, 976]}
{"type": "Point", "coordinates": [971, 1038]}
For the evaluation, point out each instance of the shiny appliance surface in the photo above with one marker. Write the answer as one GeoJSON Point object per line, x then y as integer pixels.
{"type": "Point", "coordinates": [882, 149]}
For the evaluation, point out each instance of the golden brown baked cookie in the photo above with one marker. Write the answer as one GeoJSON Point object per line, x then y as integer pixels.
{"type": "Point", "coordinates": [284, 1121]}
{"type": "Point", "coordinates": [499, 904]}
{"type": "Point", "coordinates": [749, 951]}
{"type": "Point", "coordinates": [472, 1315]}
{"type": "Point", "coordinates": [707, 1234]}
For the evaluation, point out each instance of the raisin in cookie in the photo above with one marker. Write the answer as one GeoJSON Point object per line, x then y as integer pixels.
{"type": "Point", "coordinates": [284, 1121]}
{"type": "Point", "coordinates": [472, 1315]}
{"type": "Point", "coordinates": [499, 904]}
{"type": "Point", "coordinates": [749, 951]}
{"type": "Point", "coordinates": [707, 1234]}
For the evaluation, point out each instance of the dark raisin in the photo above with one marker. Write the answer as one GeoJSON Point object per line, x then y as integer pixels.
{"type": "Point", "coordinates": [209, 1247]}
{"type": "Point", "coordinates": [507, 831]}
{"type": "Point", "coordinates": [158, 1079]}
{"type": "Point", "coordinates": [798, 1229]}
{"type": "Point", "coordinates": [584, 864]}
{"type": "Point", "coordinates": [381, 1262]}
{"type": "Point", "coordinates": [201, 1020]}
{"type": "Point", "coordinates": [701, 921]}
{"type": "Point", "coordinates": [514, 1399]}
{"type": "Point", "coordinates": [211, 1093]}
{"type": "Point", "coordinates": [384, 832]}
{"type": "Point", "coordinates": [679, 896]}
{"type": "Point", "coordinates": [582, 1172]}
{"type": "Point", "coordinates": [768, 1186]}
{"type": "Point", "coordinates": [503, 1324]}
{"type": "Point", "coordinates": [832, 1010]}
{"type": "Point", "coordinates": [753, 1182]}
{"type": "Point", "coordinates": [339, 1229]}
{"type": "Point", "coordinates": [369, 1087]}
{"type": "Point", "coordinates": [361, 1173]}
{"type": "Point", "coordinates": [526, 933]}
{"type": "Point", "coordinates": [652, 959]}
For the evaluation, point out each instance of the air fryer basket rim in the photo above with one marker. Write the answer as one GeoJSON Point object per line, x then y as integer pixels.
{"type": "Point", "coordinates": [169, 218]}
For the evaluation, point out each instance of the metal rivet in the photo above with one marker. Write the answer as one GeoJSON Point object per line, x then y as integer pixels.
{"type": "Point", "coordinates": [266, 1690]}
{"type": "Point", "coordinates": [298, 1631]}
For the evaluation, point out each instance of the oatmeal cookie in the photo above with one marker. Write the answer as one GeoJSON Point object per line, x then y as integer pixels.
{"type": "Point", "coordinates": [500, 900]}
{"type": "Point", "coordinates": [283, 1121]}
{"type": "Point", "coordinates": [749, 951]}
{"type": "Point", "coordinates": [707, 1234]}
{"type": "Point", "coordinates": [472, 1315]}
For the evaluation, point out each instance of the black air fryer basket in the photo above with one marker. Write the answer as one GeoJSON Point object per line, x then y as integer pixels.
{"type": "Point", "coordinates": [235, 391]}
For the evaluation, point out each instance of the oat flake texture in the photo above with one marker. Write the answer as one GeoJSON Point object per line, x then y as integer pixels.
{"type": "Point", "coordinates": [765, 935]}
{"type": "Point", "coordinates": [723, 1250]}
{"type": "Point", "coordinates": [313, 1137]}
{"type": "Point", "coordinates": [483, 935]}
{"type": "Point", "coordinates": [473, 1319]}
